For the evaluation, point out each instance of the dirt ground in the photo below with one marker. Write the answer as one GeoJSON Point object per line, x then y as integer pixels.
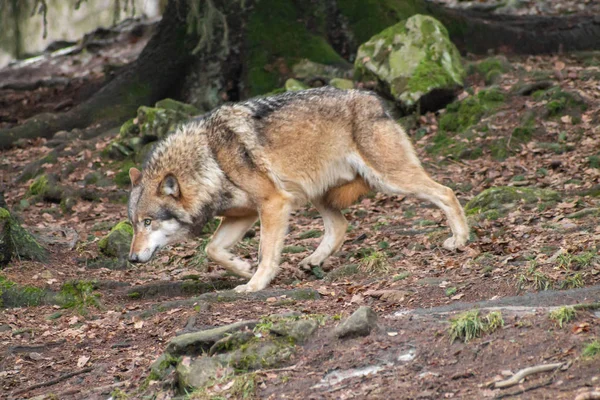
{"type": "Point", "coordinates": [111, 346]}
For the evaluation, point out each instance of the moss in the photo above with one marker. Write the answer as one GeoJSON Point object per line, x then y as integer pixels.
{"type": "Point", "coordinates": [39, 186]}
{"type": "Point", "coordinates": [490, 64]}
{"type": "Point", "coordinates": [311, 234]}
{"type": "Point", "coordinates": [116, 242]}
{"type": "Point", "coordinates": [79, 295]}
{"type": "Point", "coordinates": [129, 128]}
{"type": "Point", "coordinates": [14, 295]}
{"type": "Point", "coordinates": [459, 116]}
{"type": "Point", "coordinates": [501, 197]}
{"type": "Point", "coordinates": [122, 177]}
{"type": "Point", "coordinates": [16, 241]}
{"type": "Point", "coordinates": [293, 85]}
{"type": "Point", "coordinates": [294, 249]}
{"type": "Point", "coordinates": [276, 30]}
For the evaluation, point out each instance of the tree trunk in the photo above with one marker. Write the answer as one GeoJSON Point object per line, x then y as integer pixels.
{"type": "Point", "coordinates": [210, 51]}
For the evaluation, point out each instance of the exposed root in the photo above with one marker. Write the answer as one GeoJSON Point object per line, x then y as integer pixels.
{"type": "Point", "coordinates": [516, 378]}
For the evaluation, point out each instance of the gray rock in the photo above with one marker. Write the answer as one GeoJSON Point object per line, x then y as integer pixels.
{"type": "Point", "coordinates": [299, 330]}
{"type": "Point", "coordinates": [199, 342]}
{"type": "Point", "coordinates": [413, 59]}
{"type": "Point", "coordinates": [361, 323]}
{"type": "Point", "coordinates": [196, 372]}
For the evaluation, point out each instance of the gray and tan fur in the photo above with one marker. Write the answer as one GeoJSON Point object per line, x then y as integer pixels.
{"type": "Point", "coordinates": [264, 157]}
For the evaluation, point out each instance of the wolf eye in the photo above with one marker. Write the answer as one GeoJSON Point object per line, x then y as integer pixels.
{"type": "Point", "coordinates": [147, 222]}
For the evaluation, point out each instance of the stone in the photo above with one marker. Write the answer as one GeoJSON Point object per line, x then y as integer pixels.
{"type": "Point", "coordinates": [117, 242]}
{"type": "Point", "coordinates": [413, 59]}
{"type": "Point", "coordinates": [299, 331]}
{"type": "Point", "coordinates": [360, 323]}
{"type": "Point", "coordinates": [196, 372]}
{"type": "Point", "coordinates": [260, 355]}
{"type": "Point", "coordinates": [202, 341]}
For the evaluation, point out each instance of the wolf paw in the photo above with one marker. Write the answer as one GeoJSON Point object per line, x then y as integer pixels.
{"type": "Point", "coordinates": [452, 243]}
{"type": "Point", "coordinates": [309, 262]}
{"type": "Point", "coordinates": [246, 288]}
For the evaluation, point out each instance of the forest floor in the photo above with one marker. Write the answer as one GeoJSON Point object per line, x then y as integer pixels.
{"type": "Point", "coordinates": [546, 254]}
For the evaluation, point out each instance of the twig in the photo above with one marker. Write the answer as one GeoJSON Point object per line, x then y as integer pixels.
{"type": "Point", "coordinates": [53, 381]}
{"type": "Point", "coordinates": [516, 378]}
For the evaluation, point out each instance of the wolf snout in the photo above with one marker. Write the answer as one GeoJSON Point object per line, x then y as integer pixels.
{"type": "Point", "coordinates": [134, 258]}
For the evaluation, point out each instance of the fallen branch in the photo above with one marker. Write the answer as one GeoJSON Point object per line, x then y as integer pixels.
{"type": "Point", "coordinates": [265, 371]}
{"type": "Point", "coordinates": [516, 378]}
{"type": "Point", "coordinates": [53, 381]}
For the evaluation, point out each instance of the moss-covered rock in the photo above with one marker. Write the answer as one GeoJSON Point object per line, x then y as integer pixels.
{"type": "Point", "coordinates": [498, 200]}
{"type": "Point", "coordinates": [561, 102]}
{"type": "Point", "coordinates": [117, 242]}
{"type": "Point", "coordinates": [16, 241]}
{"type": "Point", "coordinates": [306, 69]}
{"type": "Point", "coordinates": [46, 188]}
{"type": "Point", "coordinates": [14, 295]}
{"type": "Point", "coordinates": [293, 85]}
{"type": "Point", "coordinates": [341, 83]}
{"type": "Point", "coordinates": [413, 58]}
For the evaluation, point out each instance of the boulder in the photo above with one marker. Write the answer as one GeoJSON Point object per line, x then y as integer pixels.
{"type": "Point", "coordinates": [360, 323]}
{"type": "Point", "coordinates": [416, 62]}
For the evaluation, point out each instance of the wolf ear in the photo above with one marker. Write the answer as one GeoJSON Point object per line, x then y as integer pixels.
{"type": "Point", "coordinates": [135, 175]}
{"type": "Point", "coordinates": [169, 186]}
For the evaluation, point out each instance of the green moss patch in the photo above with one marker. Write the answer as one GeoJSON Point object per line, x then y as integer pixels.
{"type": "Point", "coordinates": [16, 241]}
{"type": "Point", "coordinates": [278, 33]}
{"type": "Point", "coordinates": [500, 199]}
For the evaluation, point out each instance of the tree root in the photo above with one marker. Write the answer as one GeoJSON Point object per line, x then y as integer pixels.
{"type": "Point", "coordinates": [53, 381]}
{"type": "Point", "coordinates": [516, 378]}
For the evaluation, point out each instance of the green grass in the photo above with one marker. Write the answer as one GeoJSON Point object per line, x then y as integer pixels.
{"type": "Point", "coordinates": [563, 315]}
{"type": "Point", "coordinates": [466, 326]}
{"type": "Point", "coordinates": [573, 281]}
{"type": "Point", "coordinates": [375, 263]}
{"type": "Point", "coordinates": [311, 234]}
{"type": "Point", "coordinates": [591, 350]}
{"type": "Point", "coordinates": [470, 325]}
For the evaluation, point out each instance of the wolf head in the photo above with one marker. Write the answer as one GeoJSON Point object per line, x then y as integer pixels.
{"type": "Point", "coordinates": [156, 212]}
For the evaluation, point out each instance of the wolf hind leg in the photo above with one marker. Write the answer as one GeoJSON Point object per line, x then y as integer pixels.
{"type": "Point", "coordinates": [335, 229]}
{"type": "Point", "coordinates": [388, 163]}
{"type": "Point", "coordinates": [230, 231]}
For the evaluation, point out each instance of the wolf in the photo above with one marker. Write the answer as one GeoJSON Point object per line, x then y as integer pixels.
{"type": "Point", "coordinates": [262, 158]}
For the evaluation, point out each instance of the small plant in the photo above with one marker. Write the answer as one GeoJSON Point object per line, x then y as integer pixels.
{"type": "Point", "coordinates": [572, 282]}
{"type": "Point", "coordinates": [541, 281]}
{"type": "Point", "coordinates": [584, 260]}
{"type": "Point", "coordinates": [466, 326]}
{"type": "Point", "coordinates": [563, 315]}
{"type": "Point", "coordinates": [565, 260]}
{"type": "Point", "coordinates": [451, 291]}
{"type": "Point", "coordinates": [244, 387]}
{"type": "Point", "coordinates": [375, 263]}
{"type": "Point", "coordinates": [591, 350]}
{"type": "Point", "coordinates": [494, 321]}
{"type": "Point", "coordinates": [470, 325]}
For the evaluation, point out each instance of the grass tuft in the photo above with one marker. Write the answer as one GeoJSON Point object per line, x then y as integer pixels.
{"type": "Point", "coordinates": [591, 350]}
{"type": "Point", "coordinates": [375, 263]}
{"type": "Point", "coordinates": [563, 315]}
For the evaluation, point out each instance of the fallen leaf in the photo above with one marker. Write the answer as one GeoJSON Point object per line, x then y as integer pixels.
{"type": "Point", "coordinates": [82, 361]}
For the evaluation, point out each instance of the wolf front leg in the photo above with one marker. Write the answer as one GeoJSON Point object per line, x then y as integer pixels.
{"type": "Point", "coordinates": [230, 231]}
{"type": "Point", "coordinates": [274, 216]}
